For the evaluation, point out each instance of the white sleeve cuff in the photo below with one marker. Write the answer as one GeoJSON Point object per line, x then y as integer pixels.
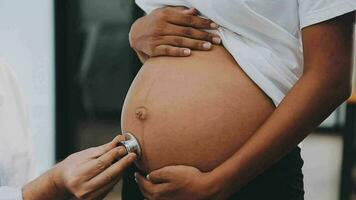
{"type": "Point", "coordinates": [7, 193]}
{"type": "Point", "coordinates": [332, 11]}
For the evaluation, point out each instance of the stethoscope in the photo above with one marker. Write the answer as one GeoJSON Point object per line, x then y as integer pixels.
{"type": "Point", "coordinates": [131, 144]}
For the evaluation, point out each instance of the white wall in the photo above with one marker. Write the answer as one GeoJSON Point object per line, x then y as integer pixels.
{"type": "Point", "coordinates": [26, 43]}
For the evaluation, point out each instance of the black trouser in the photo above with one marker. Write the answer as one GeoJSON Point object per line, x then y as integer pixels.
{"type": "Point", "coordinates": [283, 181]}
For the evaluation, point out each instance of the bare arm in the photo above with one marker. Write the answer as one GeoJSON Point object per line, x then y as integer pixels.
{"type": "Point", "coordinates": [324, 85]}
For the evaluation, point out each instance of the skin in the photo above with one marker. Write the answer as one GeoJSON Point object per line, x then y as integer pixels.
{"type": "Point", "coordinates": [171, 31]}
{"type": "Point", "coordinates": [324, 85]}
{"type": "Point", "coordinates": [90, 174]}
{"type": "Point", "coordinates": [162, 108]}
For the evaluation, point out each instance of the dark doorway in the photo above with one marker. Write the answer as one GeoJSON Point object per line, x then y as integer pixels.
{"type": "Point", "coordinates": [94, 69]}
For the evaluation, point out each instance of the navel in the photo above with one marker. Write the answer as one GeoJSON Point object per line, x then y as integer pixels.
{"type": "Point", "coordinates": [141, 113]}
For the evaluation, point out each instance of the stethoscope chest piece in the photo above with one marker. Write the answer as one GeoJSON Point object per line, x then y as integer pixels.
{"type": "Point", "coordinates": [131, 144]}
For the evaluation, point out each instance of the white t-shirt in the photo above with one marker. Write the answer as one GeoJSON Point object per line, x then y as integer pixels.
{"type": "Point", "coordinates": [264, 35]}
{"type": "Point", "coordinates": [17, 165]}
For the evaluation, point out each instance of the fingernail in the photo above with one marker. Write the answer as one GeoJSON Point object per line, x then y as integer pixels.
{"type": "Point", "coordinates": [186, 51]}
{"type": "Point", "coordinates": [206, 45]}
{"type": "Point", "coordinates": [133, 156]}
{"type": "Point", "coordinates": [216, 40]}
{"type": "Point", "coordinates": [122, 150]}
{"type": "Point", "coordinates": [148, 177]}
{"type": "Point", "coordinates": [214, 25]}
{"type": "Point", "coordinates": [136, 180]}
{"type": "Point", "coordinates": [116, 138]}
{"type": "Point", "coordinates": [188, 10]}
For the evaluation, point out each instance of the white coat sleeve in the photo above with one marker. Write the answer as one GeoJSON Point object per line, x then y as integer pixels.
{"type": "Point", "coordinates": [8, 193]}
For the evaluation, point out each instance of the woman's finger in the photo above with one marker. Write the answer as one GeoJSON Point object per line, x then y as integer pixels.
{"type": "Point", "coordinates": [178, 41]}
{"type": "Point", "coordinates": [183, 9]}
{"type": "Point", "coordinates": [187, 17]}
{"type": "Point", "coordinates": [150, 189]}
{"type": "Point", "coordinates": [168, 50]}
{"type": "Point", "coordinates": [113, 172]}
{"type": "Point", "coordinates": [159, 176]}
{"type": "Point", "coordinates": [192, 21]}
{"type": "Point", "coordinates": [192, 33]}
{"type": "Point", "coordinates": [145, 186]}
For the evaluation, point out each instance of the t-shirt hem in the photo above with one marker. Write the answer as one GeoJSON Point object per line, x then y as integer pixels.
{"type": "Point", "coordinates": [141, 5]}
{"type": "Point", "coordinates": [256, 76]}
{"type": "Point", "coordinates": [327, 13]}
{"type": "Point", "coordinates": [261, 81]}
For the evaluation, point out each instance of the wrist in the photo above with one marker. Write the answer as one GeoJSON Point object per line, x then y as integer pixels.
{"type": "Point", "coordinates": [44, 187]}
{"type": "Point", "coordinates": [219, 186]}
{"type": "Point", "coordinates": [57, 183]}
{"type": "Point", "coordinates": [212, 186]}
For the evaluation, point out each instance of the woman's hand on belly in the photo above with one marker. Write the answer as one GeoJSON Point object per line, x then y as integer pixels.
{"type": "Point", "coordinates": [171, 31]}
{"type": "Point", "coordinates": [175, 183]}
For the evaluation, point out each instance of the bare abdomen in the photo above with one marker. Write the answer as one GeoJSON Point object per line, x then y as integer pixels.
{"type": "Point", "coordinates": [194, 111]}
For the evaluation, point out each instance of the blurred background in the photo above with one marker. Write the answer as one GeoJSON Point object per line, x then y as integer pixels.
{"type": "Point", "coordinates": [75, 66]}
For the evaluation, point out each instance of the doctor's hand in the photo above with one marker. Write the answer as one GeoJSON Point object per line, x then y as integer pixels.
{"type": "Point", "coordinates": [89, 174]}
{"type": "Point", "coordinates": [92, 173]}
{"type": "Point", "coordinates": [171, 31]}
{"type": "Point", "coordinates": [178, 183]}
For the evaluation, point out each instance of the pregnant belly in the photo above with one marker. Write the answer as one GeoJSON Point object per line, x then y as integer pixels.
{"type": "Point", "coordinates": [194, 111]}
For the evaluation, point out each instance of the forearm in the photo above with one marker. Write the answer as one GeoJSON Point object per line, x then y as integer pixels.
{"type": "Point", "coordinates": [43, 188]}
{"type": "Point", "coordinates": [310, 101]}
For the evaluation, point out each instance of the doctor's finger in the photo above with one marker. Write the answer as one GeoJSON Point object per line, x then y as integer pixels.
{"type": "Point", "coordinates": [101, 193]}
{"type": "Point", "coordinates": [109, 158]}
{"type": "Point", "coordinates": [119, 138]}
{"type": "Point", "coordinates": [96, 166]}
{"type": "Point", "coordinates": [113, 172]}
{"type": "Point", "coordinates": [96, 152]}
